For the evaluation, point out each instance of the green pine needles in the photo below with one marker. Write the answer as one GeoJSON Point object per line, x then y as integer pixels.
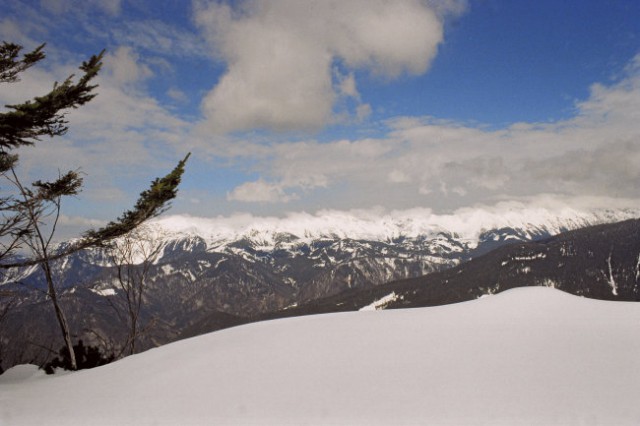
{"type": "Point", "coordinates": [25, 124]}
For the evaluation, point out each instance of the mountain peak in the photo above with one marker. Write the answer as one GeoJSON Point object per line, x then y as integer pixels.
{"type": "Point", "coordinates": [466, 224]}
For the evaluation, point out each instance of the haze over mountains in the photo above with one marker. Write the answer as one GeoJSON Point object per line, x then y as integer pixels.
{"type": "Point", "coordinates": [212, 274]}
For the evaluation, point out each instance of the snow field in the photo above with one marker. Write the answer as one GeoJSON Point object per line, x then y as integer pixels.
{"type": "Point", "coordinates": [526, 356]}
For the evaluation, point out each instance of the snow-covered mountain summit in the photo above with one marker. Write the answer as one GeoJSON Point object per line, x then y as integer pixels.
{"type": "Point", "coordinates": [467, 225]}
{"type": "Point", "coordinates": [324, 253]}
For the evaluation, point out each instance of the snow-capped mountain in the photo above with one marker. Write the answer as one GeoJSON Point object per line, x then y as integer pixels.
{"type": "Point", "coordinates": [311, 256]}
{"type": "Point", "coordinates": [470, 226]}
{"type": "Point", "coordinates": [224, 271]}
{"type": "Point", "coordinates": [601, 262]}
{"type": "Point", "coordinates": [302, 257]}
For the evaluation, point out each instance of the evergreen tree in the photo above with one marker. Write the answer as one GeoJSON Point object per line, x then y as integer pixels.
{"type": "Point", "coordinates": [23, 211]}
{"type": "Point", "coordinates": [86, 357]}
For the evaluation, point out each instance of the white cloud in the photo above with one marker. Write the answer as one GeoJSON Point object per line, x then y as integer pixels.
{"type": "Point", "coordinates": [280, 55]}
{"type": "Point", "coordinates": [610, 169]}
{"type": "Point", "coordinates": [294, 65]}
{"type": "Point", "coordinates": [177, 95]}
{"type": "Point", "coordinates": [124, 66]}
{"type": "Point", "coordinates": [112, 7]}
{"type": "Point", "coordinates": [398, 176]}
{"type": "Point", "coordinates": [21, 32]}
{"type": "Point", "coordinates": [347, 86]}
{"type": "Point", "coordinates": [78, 221]}
{"type": "Point", "coordinates": [261, 192]}
{"type": "Point", "coordinates": [158, 37]}
{"type": "Point", "coordinates": [363, 111]}
{"type": "Point", "coordinates": [444, 164]}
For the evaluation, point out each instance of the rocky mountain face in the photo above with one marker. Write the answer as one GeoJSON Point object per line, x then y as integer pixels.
{"type": "Point", "coordinates": [601, 262]}
{"type": "Point", "coordinates": [208, 275]}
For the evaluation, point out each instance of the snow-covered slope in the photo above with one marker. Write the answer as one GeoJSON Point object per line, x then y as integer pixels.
{"type": "Point", "coordinates": [526, 356]}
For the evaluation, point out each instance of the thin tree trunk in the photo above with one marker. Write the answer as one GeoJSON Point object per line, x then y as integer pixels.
{"type": "Point", "coordinates": [132, 280]}
{"type": "Point", "coordinates": [62, 320]}
{"type": "Point", "coordinates": [40, 247]}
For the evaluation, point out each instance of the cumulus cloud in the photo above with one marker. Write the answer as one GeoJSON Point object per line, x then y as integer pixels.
{"type": "Point", "coordinates": [609, 169]}
{"type": "Point", "coordinates": [444, 164]}
{"type": "Point", "coordinates": [280, 55]}
{"type": "Point", "coordinates": [124, 66]}
{"type": "Point", "coordinates": [296, 65]}
{"type": "Point", "coordinates": [261, 192]}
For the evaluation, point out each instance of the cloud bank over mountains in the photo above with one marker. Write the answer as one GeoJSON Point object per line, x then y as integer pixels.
{"type": "Point", "coordinates": [240, 84]}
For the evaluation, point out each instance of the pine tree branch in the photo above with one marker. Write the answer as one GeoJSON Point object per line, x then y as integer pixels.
{"type": "Point", "coordinates": [151, 203]}
{"type": "Point", "coordinates": [25, 123]}
{"type": "Point", "coordinates": [11, 67]}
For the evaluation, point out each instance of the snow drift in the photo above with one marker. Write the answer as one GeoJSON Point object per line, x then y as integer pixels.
{"type": "Point", "coordinates": [526, 356]}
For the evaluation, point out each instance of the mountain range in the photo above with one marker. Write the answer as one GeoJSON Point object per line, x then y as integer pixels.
{"type": "Point", "coordinates": [599, 262]}
{"type": "Point", "coordinates": [209, 274]}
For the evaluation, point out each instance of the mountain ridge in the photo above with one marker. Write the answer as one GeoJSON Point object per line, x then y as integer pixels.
{"type": "Point", "coordinates": [269, 233]}
{"type": "Point", "coordinates": [601, 262]}
{"type": "Point", "coordinates": [203, 282]}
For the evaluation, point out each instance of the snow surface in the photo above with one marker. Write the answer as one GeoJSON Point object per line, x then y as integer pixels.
{"type": "Point", "coordinates": [104, 292]}
{"type": "Point", "coordinates": [533, 356]}
{"type": "Point", "coordinates": [380, 303]}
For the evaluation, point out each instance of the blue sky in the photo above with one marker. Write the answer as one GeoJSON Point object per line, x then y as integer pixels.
{"type": "Point", "coordinates": [291, 106]}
